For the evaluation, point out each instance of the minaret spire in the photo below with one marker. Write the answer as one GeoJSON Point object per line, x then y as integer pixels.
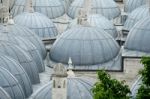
{"type": "Point", "coordinates": [29, 6]}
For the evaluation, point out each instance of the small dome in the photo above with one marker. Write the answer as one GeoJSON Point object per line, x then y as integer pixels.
{"type": "Point", "coordinates": [107, 8]}
{"type": "Point", "coordinates": [50, 8]}
{"type": "Point", "coordinates": [100, 22]}
{"type": "Point", "coordinates": [10, 84]}
{"type": "Point", "coordinates": [89, 48]}
{"type": "Point", "coordinates": [6, 36]}
{"type": "Point", "coordinates": [38, 23]}
{"type": "Point", "coordinates": [138, 37]}
{"type": "Point", "coordinates": [130, 5]}
{"type": "Point", "coordinates": [24, 32]}
{"type": "Point", "coordinates": [23, 58]}
{"type": "Point", "coordinates": [4, 94]}
{"type": "Point", "coordinates": [78, 88]}
{"type": "Point", "coordinates": [17, 71]}
{"type": "Point", "coordinates": [135, 16]}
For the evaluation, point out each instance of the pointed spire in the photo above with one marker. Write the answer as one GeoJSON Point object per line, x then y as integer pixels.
{"type": "Point", "coordinates": [29, 6]}
{"type": "Point", "coordinates": [70, 67]}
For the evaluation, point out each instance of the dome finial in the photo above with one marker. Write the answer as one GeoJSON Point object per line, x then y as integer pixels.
{"type": "Point", "coordinates": [70, 67]}
{"type": "Point", "coordinates": [29, 6]}
{"type": "Point", "coordinates": [10, 20]}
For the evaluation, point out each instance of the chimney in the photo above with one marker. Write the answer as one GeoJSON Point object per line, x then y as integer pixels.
{"type": "Point", "coordinates": [29, 6]}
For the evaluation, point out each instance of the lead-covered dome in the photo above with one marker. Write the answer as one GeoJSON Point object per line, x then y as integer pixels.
{"type": "Point", "coordinates": [136, 15]}
{"type": "Point", "coordinates": [138, 38]}
{"type": "Point", "coordinates": [17, 30]}
{"type": "Point", "coordinates": [18, 72]}
{"type": "Point", "coordinates": [4, 94]}
{"type": "Point", "coordinates": [7, 36]}
{"type": "Point", "coordinates": [77, 88]}
{"type": "Point", "coordinates": [89, 48]}
{"type": "Point", "coordinates": [23, 58]}
{"type": "Point", "coordinates": [10, 84]}
{"type": "Point", "coordinates": [99, 21]}
{"type": "Point", "coordinates": [107, 8]}
{"type": "Point", "coordinates": [50, 8]}
{"type": "Point", "coordinates": [38, 23]}
{"type": "Point", "coordinates": [130, 5]}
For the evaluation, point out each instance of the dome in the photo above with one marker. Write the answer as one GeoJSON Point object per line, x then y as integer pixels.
{"type": "Point", "coordinates": [89, 48]}
{"type": "Point", "coordinates": [100, 22]}
{"type": "Point", "coordinates": [78, 88]}
{"type": "Point", "coordinates": [50, 8]}
{"type": "Point", "coordinates": [10, 84]}
{"type": "Point", "coordinates": [138, 37]}
{"type": "Point", "coordinates": [38, 23]}
{"type": "Point", "coordinates": [23, 58]}
{"type": "Point", "coordinates": [135, 87]}
{"type": "Point", "coordinates": [24, 32]}
{"type": "Point", "coordinates": [130, 5]}
{"type": "Point", "coordinates": [135, 16]}
{"type": "Point", "coordinates": [4, 94]}
{"type": "Point", "coordinates": [18, 72]}
{"type": "Point", "coordinates": [107, 8]}
{"type": "Point", "coordinates": [25, 44]}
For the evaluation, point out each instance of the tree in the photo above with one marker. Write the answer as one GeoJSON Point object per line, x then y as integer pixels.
{"type": "Point", "coordinates": [144, 90]}
{"type": "Point", "coordinates": [108, 88]}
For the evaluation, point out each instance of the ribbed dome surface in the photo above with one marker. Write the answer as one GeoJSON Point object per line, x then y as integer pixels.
{"type": "Point", "coordinates": [99, 21]}
{"type": "Point", "coordinates": [10, 84]}
{"type": "Point", "coordinates": [24, 32]}
{"type": "Point", "coordinates": [130, 5]}
{"type": "Point", "coordinates": [38, 23]}
{"type": "Point", "coordinates": [107, 8]}
{"type": "Point", "coordinates": [77, 88]}
{"type": "Point", "coordinates": [50, 8]}
{"type": "Point", "coordinates": [23, 58]}
{"type": "Point", "coordinates": [139, 37]}
{"type": "Point", "coordinates": [25, 44]}
{"type": "Point", "coordinates": [17, 71]}
{"type": "Point", "coordinates": [4, 94]}
{"type": "Point", "coordinates": [136, 15]}
{"type": "Point", "coordinates": [86, 46]}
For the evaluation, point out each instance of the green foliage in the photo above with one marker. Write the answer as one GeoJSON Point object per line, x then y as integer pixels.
{"type": "Point", "coordinates": [107, 88]}
{"type": "Point", "coordinates": [144, 90]}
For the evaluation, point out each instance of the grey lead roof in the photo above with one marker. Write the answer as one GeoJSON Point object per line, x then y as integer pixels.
{"type": "Point", "coordinates": [17, 30]}
{"type": "Point", "coordinates": [4, 94]}
{"type": "Point", "coordinates": [50, 8]}
{"type": "Point", "coordinates": [130, 5]}
{"type": "Point", "coordinates": [17, 71]}
{"type": "Point", "coordinates": [23, 58]}
{"type": "Point", "coordinates": [99, 21]}
{"type": "Point", "coordinates": [138, 37]}
{"type": "Point", "coordinates": [90, 48]}
{"type": "Point", "coordinates": [136, 15]}
{"type": "Point", "coordinates": [77, 88]}
{"type": "Point", "coordinates": [38, 23]}
{"type": "Point", "coordinates": [10, 84]}
{"type": "Point", "coordinates": [6, 36]}
{"type": "Point", "coordinates": [107, 8]}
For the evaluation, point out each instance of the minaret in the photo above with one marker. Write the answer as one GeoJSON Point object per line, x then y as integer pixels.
{"type": "Point", "coordinates": [59, 79]}
{"type": "Point", "coordinates": [4, 11]}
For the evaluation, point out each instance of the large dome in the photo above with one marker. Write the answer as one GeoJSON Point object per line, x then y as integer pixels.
{"type": "Point", "coordinates": [23, 58]}
{"type": "Point", "coordinates": [130, 5]}
{"type": "Point", "coordinates": [25, 44]}
{"type": "Point", "coordinates": [17, 71]}
{"type": "Point", "coordinates": [38, 23]}
{"type": "Point", "coordinates": [24, 32]}
{"type": "Point", "coordinates": [4, 94]}
{"type": "Point", "coordinates": [10, 84]}
{"type": "Point", "coordinates": [107, 8]}
{"type": "Point", "coordinates": [138, 38]}
{"type": "Point", "coordinates": [50, 8]}
{"type": "Point", "coordinates": [88, 47]}
{"type": "Point", "coordinates": [99, 21]}
{"type": "Point", "coordinates": [136, 15]}
{"type": "Point", "coordinates": [78, 88]}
